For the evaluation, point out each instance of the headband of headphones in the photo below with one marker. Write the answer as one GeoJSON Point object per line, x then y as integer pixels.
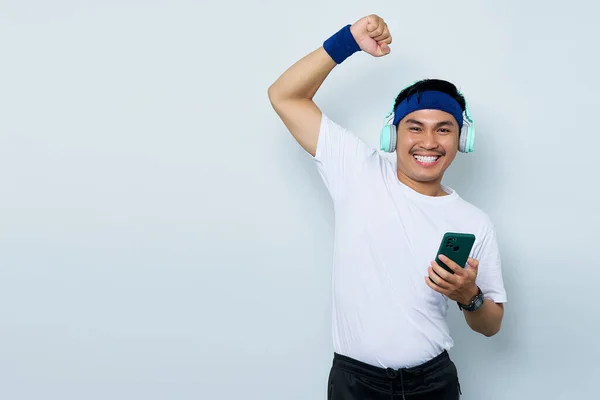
{"type": "Point", "coordinates": [432, 100]}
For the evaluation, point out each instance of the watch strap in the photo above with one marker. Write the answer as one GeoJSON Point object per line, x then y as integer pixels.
{"type": "Point", "coordinates": [475, 303]}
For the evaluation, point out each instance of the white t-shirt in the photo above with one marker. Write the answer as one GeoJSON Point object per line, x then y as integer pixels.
{"type": "Point", "coordinates": [386, 236]}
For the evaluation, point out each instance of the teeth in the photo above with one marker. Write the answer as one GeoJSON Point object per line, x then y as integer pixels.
{"type": "Point", "coordinates": [426, 159]}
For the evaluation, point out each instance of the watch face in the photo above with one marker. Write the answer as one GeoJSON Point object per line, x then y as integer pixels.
{"type": "Point", "coordinates": [475, 304]}
{"type": "Point", "coordinates": [478, 301]}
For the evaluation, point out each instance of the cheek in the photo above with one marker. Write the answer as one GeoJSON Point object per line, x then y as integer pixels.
{"type": "Point", "coordinates": [450, 144]}
{"type": "Point", "coordinates": [405, 143]}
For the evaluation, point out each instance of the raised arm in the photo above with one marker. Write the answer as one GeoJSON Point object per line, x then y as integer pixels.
{"type": "Point", "coordinates": [291, 95]}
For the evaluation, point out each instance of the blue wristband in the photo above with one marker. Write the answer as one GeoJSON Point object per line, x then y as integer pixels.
{"type": "Point", "coordinates": [341, 45]}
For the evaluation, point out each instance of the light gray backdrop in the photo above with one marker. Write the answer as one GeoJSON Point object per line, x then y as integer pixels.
{"type": "Point", "coordinates": [162, 236]}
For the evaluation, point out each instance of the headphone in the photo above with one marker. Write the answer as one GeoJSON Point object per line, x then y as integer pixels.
{"type": "Point", "coordinates": [388, 136]}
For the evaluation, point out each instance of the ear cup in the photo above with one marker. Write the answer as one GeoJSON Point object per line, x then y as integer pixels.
{"type": "Point", "coordinates": [468, 132]}
{"type": "Point", "coordinates": [470, 145]}
{"type": "Point", "coordinates": [388, 135]}
{"type": "Point", "coordinates": [462, 140]}
{"type": "Point", "coordinates": [467, 136]}
{"type": "Point", "coordinates": [388, 138]}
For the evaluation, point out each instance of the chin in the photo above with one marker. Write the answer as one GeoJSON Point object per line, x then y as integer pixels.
{"type": "Point", "coordinates": [423, 178]}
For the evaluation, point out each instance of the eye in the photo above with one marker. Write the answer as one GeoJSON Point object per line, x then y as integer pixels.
{"type": "Point", "coordinates": [444, 130]}
{"type": "Point", "coordinates": [414, 129]}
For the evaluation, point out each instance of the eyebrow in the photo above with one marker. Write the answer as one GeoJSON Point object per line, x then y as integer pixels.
{"type": "Point", "coordinates": [441, 123]}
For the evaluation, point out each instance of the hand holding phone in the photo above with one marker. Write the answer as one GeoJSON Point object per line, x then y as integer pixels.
{"type": "Point", "coordinates": [456, 283]}
{"type": "Point", "coordinates": [457, 247]}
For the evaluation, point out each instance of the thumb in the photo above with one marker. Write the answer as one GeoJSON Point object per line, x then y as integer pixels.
{"type": "Point", "coordinates": [472, 263]}
{"type": "Point", "coordinates": [383, 49]}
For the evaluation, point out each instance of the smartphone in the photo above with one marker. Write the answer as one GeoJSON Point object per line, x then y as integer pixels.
{"type": "Point", "coordinates": [457, 247]}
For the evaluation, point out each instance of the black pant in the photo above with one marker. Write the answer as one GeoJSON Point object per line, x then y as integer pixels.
{"type": "Point", "coordinates": [436, 379]}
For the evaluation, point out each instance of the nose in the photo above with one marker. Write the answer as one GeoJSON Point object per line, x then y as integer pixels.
{"type": "Point", "coordinates": [429, 140]}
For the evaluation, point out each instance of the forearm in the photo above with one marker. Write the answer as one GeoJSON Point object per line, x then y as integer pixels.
{"type": "Point", "coordinates": [304, 78]}
{"type": "Point", "coordinates": [487, 320]}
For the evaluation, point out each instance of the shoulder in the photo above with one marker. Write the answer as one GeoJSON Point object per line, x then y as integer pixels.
{"type": "Point", "coordinates": [477, 215]}
{"type": "Point", "coordinates": [336, 140]}
{"type": "Point", "coordinates": [344, 159]}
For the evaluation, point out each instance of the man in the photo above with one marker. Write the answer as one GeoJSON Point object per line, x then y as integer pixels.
{"type": "Point", "coordinates": [390, 333]}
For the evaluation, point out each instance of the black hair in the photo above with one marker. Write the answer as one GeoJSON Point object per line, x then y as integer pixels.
{"type": "Point", "coordinates": [431, 84]}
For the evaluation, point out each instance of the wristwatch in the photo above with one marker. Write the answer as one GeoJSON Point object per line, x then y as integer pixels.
{"type": "Point", "coordinates": [475, 303]}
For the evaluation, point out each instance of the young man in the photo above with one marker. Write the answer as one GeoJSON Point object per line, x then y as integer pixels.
{"type": "Point", "coordinates": [390, 298]}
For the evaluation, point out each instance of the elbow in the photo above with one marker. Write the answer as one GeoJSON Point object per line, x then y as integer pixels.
{"type": "Point", "coordinates": [493, 322]}
{"type": "Point", "coordinates": [491, 331]}
{"type": "Point", "coordinates": [487, 329]}
{"type": "Point", "coordinates": [270, 94]}
{"type": "Point", "coordinates": [273, 95]}
{"type": "Point", "coordinates": [273, 98]}
{"type": "Point", "coordinates": [276, 99]}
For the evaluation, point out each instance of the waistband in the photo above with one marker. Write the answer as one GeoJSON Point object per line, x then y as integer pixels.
{"type": "Point", "coordinates": [407, 374]}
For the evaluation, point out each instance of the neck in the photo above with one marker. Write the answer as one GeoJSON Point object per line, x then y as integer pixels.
{"type": "Point", "coordinates": [433, 188]}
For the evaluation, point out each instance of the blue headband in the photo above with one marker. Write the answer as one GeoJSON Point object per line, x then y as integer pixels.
{"type": "Point", "coordinates": [432, 100]}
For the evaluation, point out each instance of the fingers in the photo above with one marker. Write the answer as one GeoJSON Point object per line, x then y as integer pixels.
{"type": "Point", "coordinates": [435, 286]}
{"type": "Point", "coordinates": [378, 29]}
{"type": "Point", "coordinates": [377, 33]}
{"type": "Point", "coordinates": [455, 285]}
{"type": "Point", "coordinates": [384, 37]}
{"type": "Point", "coordinates": [440, 276]}
{"type": "Point", "coordinates": [374, 23]}
{"type": "Point", "coordinates": [451, 264]}
{"type": "Point", "coordinates": [437, 280]}
{"type": "Point", "coordinates": [383, 42]}
{"type": "Point", "coordinates": [445, 275]}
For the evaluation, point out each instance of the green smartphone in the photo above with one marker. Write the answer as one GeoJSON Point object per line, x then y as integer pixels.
{"type": "Point", "coordinates": [457, 247]}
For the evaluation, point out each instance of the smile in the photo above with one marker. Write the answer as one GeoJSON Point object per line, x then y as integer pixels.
{"type": "Point", "coordinates": [426, 160]}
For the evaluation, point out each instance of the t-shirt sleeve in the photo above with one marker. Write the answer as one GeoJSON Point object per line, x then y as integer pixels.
{"type": "Point", "coordinates": [340, 156]}
{"type": "Point", "coordinates": [489, 276]}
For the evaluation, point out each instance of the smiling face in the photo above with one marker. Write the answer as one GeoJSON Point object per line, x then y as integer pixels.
{"type": "Point", "coordinates": [427, 144]}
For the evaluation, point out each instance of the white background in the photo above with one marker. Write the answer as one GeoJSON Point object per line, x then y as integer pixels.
{"type": "Point", "coordinates": [162, 236]}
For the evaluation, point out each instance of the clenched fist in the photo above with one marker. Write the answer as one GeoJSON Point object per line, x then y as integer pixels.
{"type": "Point", "coordinates": [372, 35]}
